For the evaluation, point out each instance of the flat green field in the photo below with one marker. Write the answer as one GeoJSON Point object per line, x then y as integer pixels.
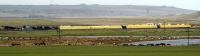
{"type": "Point", "coordinates": [106, 32]}
{"type": "Point", "coordinates": [93, 21]}
{"type": "Point", "coordinates": [26, 22]}
{"type": "Point", "coordinates": [100, 51]}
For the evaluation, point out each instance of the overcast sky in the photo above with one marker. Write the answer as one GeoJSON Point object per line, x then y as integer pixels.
{"type": "Point", "coordinates": [186, 4]}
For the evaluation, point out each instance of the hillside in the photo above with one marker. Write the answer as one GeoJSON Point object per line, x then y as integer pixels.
{"type": "Point", "coordinates": [63, 11]}
{"type": "Point", "coordinates": [195, 15]}
{"type": "Point", "coordinates": [193, 18]}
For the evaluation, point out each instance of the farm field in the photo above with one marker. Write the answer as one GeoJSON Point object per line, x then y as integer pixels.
{"type": "Point", "coordinates": [100, 51]}
{"type": "Point", "coordinates": [123, 20]}
{"type": "Point", "coordinates": [91, 21]}
{"type": "Point", "coordinates": [26, 22]}
{"type": "Point", "coordinates": [104, 32]}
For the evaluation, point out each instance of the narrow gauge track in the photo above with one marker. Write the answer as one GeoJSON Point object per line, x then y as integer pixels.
{"type": "Point", "coordinates": [132, 36]}
{"type": "Point", "coordinates": [146, 29]}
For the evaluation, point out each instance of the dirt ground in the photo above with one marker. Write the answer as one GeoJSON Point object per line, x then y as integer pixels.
{"type": "Point", "coordinates": [79, 40]}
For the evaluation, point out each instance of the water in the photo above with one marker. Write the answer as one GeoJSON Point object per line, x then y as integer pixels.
{"type": "Point", "coordinates": [172, 42]}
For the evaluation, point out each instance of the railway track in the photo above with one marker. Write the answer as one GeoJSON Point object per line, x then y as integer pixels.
{"type": "Point", "coordinates": [132, 36]}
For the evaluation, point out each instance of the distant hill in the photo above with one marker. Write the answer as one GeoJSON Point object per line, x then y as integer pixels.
{"type": "Point", "coordinates": [193, 18]}
{"type": "Point", "coordinates": [195, 15]}
{"type": "Point", "coordinates": [62, 11]}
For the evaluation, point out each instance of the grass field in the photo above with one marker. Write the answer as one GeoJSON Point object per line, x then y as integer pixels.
{"type": "Point", "coordinates": [100, 51]}
{"type": "Point", "coordinates": [115, 20]}
{"type": "Point", "coordinates": [105, 32]}
{"type": "Point", "coordinates": [91, 21]}
{"type": "Point", "coordinates": [26, 22]}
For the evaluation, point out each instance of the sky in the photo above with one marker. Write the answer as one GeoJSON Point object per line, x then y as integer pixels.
{"type": "Point", "coordinates": [185, 4]}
